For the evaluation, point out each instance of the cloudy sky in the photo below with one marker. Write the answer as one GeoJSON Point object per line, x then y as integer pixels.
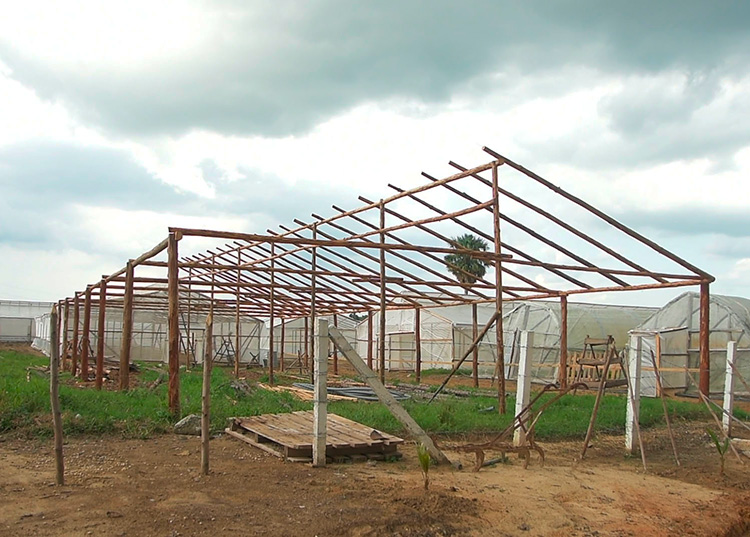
{"type": "Point", "coordinates": [120, 119]}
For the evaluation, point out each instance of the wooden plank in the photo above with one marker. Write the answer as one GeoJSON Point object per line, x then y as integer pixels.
{"type": "Point", "coordinates": [244, 438]}
{"type": "Point", "coordinates": [385, 396]}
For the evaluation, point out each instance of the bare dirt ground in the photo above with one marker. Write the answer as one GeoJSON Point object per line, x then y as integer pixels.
{"type": "Point", "coordinates": [118, 487]}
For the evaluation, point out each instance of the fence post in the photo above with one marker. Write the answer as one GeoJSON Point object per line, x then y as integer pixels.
{"type": "Point", "coordinates": [729, 387]}
{"type": "Point", "coordinates": [634, 393]}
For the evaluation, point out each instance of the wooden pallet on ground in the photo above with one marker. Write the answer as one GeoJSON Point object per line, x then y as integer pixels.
{"type": "Point", "coordinates": [290, 436]}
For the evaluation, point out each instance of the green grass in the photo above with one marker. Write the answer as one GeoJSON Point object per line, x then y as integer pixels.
{"type": "Point", "coordinates": [25, 407]}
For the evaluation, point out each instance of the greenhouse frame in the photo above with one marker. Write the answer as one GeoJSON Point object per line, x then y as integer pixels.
{"type": "Point", "coordinates": [388, 254]}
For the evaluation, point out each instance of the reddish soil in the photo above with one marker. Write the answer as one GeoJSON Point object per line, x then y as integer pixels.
{"type": "Point", "coordinates": [118, 487]}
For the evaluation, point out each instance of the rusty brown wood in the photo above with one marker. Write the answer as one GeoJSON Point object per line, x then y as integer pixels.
{"type": "Point", "coordinates": [611, 221]}
{"type": "Point", "coordinates": [501, 407]}
{"type": "Point", "coordinates": [76, 321]}
{"type": "Point", "coordinates": [369, 338]}
{"type": "Point", "coordinates": [418, 344]}
{"type": "Point", "coordinates": [237, 324]}
{"type": "Point", "coordinates": [563, 371]}
{"type": "Point", "coordinates": [282, 344]}
{"type": "Point", "coordinates": [705, 364]}
{"type": "Point", "coordinates": [271, 320]}
{"type": "Point", "coordinates": [475, 352]}
{"type": "Point", "coordinates": [382, 319]}
{"type": "Point", "coordinates": [86, 339]}
{"type": "Point", "coordinates": [127, 328]}
{"type": "Point", "coordinates": [173, 326]}
{"type": "Point", "coordinates": [64, 346]}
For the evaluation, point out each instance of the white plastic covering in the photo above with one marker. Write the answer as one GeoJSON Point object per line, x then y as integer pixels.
{"type": "Point", "coordinates": [446, 334]}
{"type": "Point", "coordinates": [294, 336]}
{"type": "Point", "coordinates": [678, 324]}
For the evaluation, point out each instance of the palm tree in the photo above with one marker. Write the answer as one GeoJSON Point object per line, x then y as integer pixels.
{"type": "Point", "coordinates": [466, 268]}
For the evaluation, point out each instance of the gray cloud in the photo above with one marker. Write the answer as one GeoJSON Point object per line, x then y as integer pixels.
{"type": "Point", "coordinates": [277, 68]}
{"type": "Point", "coordinates": [692, 221]}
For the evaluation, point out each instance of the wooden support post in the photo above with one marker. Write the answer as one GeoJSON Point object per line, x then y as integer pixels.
{"type": "Point", "coordinates": [173, 325]}
{"type": "Point", "coordinates": [282, 344]}
{"type": "Point", "coordinates": [100, 334]}
{"type": "Point", "coordinates": [634, 393]}
{"type": "Point", "coordinates": [237, 329]}
{"type": "Point", "coordinates": [306, 342]}
{"type": "Point", "coordinates": [563, 371]}
{"type": "Point", "coordinates": [385, 396]}
{"type": "Point", "coordinates": [127, 327]}
{"type": "Point", "coordinates": [381, 332]}
{"type": "Point", "coordinates": [272, 317]}
{"type": "Point", "coordinates": [335, 350]}
{"type": "Point", "coordinates": [523, 385]}
{"type": "Point", "coordinates": [320, 401]}
{"type": "Point", "coordinates": [206, 392]}
{"type": "Point", "coordinates": [64, 346]}
{"type": "Point", "coordinates": [86, 342]}
{"type": "Point", "coordinates": [498, 294]}
{"type": "Point", "coordinates": [189, 327]}
{"type": "Point", "coordinates": [475, 352]}
{"type": "Point", "coordinates": [54, 387]}
{"type": "Point", "coordinates": [729, 387]}
{"type": "Point", "coordinates": [418, 343]}
{"type": "Point", "coordinates": [76, 320]}
{"type": "Point", "coordinates": [313, 297]}
{"type": "Point", "coordinates": [705, 374]}
{"type": "Point", "coordinates": [369, 338]}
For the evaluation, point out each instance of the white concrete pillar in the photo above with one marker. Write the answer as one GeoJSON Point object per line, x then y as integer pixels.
{"type": "Point", "coordinates": [633, 409]}
{"type": "Point", "coordinates": [729, 387]}
{"type": "Point", "coordinates": [320, 401]}
{"type": "Point", "coordinates": [523, 382]}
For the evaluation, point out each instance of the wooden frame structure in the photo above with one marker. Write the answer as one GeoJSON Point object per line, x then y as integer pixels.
{"type": "Point", "coordinates": [388, 254]}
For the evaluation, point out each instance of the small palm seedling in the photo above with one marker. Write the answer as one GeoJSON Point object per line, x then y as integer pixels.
{"type": "Point", "coordinates": [721, 448]}
{"type": "Point", "coordinates": [424, 464]}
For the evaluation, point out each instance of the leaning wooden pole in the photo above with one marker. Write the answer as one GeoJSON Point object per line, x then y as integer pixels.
{"type": "Point", "coordinates": [498, 294]}
{"type": "Point", "coordinates": [54, 387]}
{"type": "Point", "coordinates": [173, 326]}
{"type": "Point", "coordinates": [86, 341]}
{"type": "Point", "coordinates": [127, 327]}
{"type": "Point", "coordinates": [100, 334]}
{"type": "Point", "coordinates": [705, 373]}
{"type": "Point", "coordinates": [206, 393]}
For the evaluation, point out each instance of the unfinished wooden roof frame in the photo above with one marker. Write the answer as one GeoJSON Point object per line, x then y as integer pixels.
{"type": "Point", "coordinates": [360, 260]}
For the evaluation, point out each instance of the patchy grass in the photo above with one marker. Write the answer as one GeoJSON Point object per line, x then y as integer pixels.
{"type": "Point", "coordinates": [24, 407]}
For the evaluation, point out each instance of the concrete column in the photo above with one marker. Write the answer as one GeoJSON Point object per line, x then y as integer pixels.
{"type": "Point", "coordinates": [729, 387]}
{"type": "Point", "coordinates": [523, 383]}
{"type": "Point", "coordinates": [320, 401]}
{"type": "Point", "coordinates": [633, 408]}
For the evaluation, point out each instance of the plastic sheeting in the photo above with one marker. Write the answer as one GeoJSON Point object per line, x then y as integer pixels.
{"type": "Point", "coordinates": [678, 324]}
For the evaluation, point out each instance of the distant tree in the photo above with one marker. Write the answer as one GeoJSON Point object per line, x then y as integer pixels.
{"type": "Point", "coordinates": [464, 267]}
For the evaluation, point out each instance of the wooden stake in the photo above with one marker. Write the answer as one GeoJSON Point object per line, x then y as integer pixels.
{"type": "Point", "coordinates": [64, 346]}
{"type": "Point", "coordinates": [660, 390]}
{"type": "Point", "coordinates": [100, 334]}
{"type": "Point", "coordinates": [86, 342]}
{"type": "Point", "coordinates": [206, 394]}
{"type": "Point", "coordinates": [369, 338]}
{"type": "Point", "coordinates": [632, 373]}
{"type": "Point", "coordinates": [173, 326]}
{"type": "Point", "coordinates": [729, 387]}
{"type": "Point", "coordinates": [597, 402]}
{"type": "Point", "coordinates": [282, 343]}
{"type": "Point", "coordinates": [54, 386]}
{"type": "Point", "coordinates": [523, 387]}
{"type": "Point", "coordinates": [189, 329]}
{"type": "Point", "coordinates": [127, 327]}
{"type": "Point", "coordinates": [76, 320]}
